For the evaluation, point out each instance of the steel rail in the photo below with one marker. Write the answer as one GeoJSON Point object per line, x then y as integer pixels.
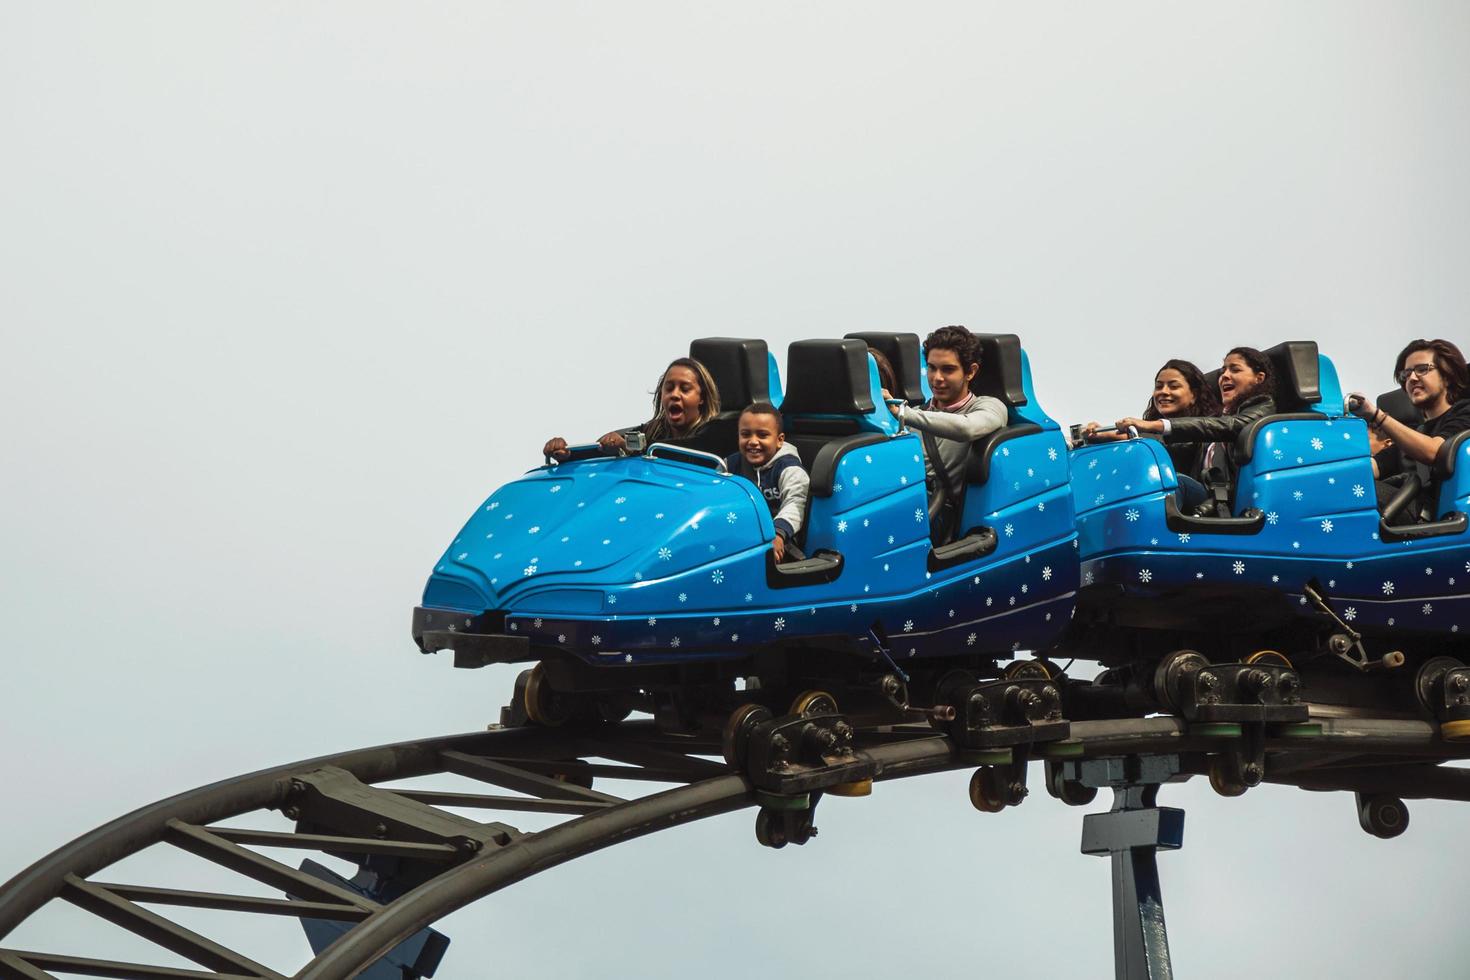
{"type": "Point", "coordinates": [1395, 753]}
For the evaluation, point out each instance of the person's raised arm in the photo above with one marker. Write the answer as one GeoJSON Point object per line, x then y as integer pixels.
{"type": "Point", "coordinates": [987, 417]}
{"type": "Point", "coordinates": [1411, 442]}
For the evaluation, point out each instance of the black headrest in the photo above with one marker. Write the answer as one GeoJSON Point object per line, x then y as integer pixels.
{"type": "Point", "coordinates": [1000, 369]}
{"type": "Point", "coordinates": [902, 351]}
{"type": "Point", "coordinates": [738, 367]}
{"type": "Point", "coordinates": [1297, 382]}
{"type": "Point", "coordinates": [1398, 406]}
{"type": "Point", "coordinates": [827, 377]}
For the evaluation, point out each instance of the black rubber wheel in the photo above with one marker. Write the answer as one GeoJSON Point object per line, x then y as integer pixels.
{"type": "Point", "coordinates": [1383, 816]}
{"type": "Point", "coordinates": [544, 706]}
{"type": "Point", "coordinates": [1069, 791]}
{"type": "Point", "coordinates": [1169, 672]}
{"type": "Point", "coordinates": [1223, 779]}
{"type": "Point", "coordinates": [736, 737]}
{"type": "Point", "coordinates": [769, 829]}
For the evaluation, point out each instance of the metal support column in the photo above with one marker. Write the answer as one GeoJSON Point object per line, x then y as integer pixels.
{"type": "Point", "coordinates": [1132, 833]}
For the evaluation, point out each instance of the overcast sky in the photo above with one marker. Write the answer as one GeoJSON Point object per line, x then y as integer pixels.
{"type": "Point", "coordinates": [287, 289]}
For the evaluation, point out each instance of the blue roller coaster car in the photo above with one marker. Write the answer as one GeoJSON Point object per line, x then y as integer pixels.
{"type": "Point", "coordinates": [664, 559]}
{"type": "Point", "coordinates": [1303, 562]}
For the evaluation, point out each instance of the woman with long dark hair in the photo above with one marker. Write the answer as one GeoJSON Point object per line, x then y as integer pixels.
{"type": "Point", "coordinates": [1247, 393]}
{"type": "Point", "coordinates": [684, 399]}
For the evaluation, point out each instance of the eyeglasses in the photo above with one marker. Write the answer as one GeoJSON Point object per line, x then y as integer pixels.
{"type": "Point", "coordinates": [1416, 371]}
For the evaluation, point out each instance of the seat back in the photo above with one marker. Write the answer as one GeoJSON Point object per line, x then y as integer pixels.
{"type": "Point", "coordinates": [1297, 367]}
{"type": "Point", "coordinates": [903, 352]}
{"type": "Point", "coordinates": [740, 370]}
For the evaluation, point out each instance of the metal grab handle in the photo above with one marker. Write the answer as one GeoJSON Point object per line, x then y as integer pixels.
{"type": "Point", "coordinates": [697, 456]}
{"type": "Point", "coordinates": [587, 450]}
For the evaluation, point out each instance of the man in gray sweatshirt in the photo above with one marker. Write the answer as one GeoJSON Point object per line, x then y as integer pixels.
{"type": "Point", "coordinates": [955, 417]}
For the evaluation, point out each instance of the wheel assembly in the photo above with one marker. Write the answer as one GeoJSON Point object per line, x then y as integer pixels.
{"type": "Point", "coordinates": [1382, 815]}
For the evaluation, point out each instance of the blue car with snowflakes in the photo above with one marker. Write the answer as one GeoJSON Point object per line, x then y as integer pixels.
{"type": "Point", "coordinates": [1304, 565]}
{"type": "Point", "coordinates": [654, 573]}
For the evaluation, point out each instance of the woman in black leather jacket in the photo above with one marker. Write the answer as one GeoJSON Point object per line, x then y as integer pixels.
{"type": "Point", "coordinates": [1247, 392]}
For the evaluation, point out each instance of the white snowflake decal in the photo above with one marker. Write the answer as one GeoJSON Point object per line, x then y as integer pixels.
{"type": "Point", "coordinates": [536, 623]}
{"type": "Point", "coordinates": [1041, 505]}
{"type": "Point", "coordinates": [1428, 608]}
{"type": "Point", "coordinates": [1005, 450]}
{"type": "Point", "coordinates": [1145, 576]}
{"type": "Point", "coordinates": [683, 596]}
{"type": "Point", "coordinates": [1184, 537]}
{"type": "Point", "coordinates": [1277, 453]}
{"type": "Point", "coordinates": [675, 642]}
{"type": "Point", "coordinates": [867, 459]}
{"type": "Point", "coordinates": [852, 608]}
{"type": "Point", "coordinates": [908, 626]}
{"type": "Point", "coordinates": [890, 539]}
{"type": "Point", "coordinates": [561, 638]}
{"type": "Point", "coordinates": [841, 526]}
{"type": "Point", "coordinates": [1046, 573]}
{"type": "Point", "coordinates": [970, 640]}
{"type": "Point", "coordinates": [1011, 601]}
{"type": "Point", "coordinates": [855, 482]}
{"type": "Point", "coordinates": [716, 621]}
{"type": "Point", "coordinates": [1087, 579]}
{"type": "Point", "coordinates": [659, 516]}
{"type": "Point", "coordinates": [1358, 490]}
{"type": "Point", "coordinates": [730, 517]}
{"type": "Point", "coordinates": [1316, 443]}
{"type": "Point", "coordinates": [748, 597]}
{"type": "Point", "coordinates": [780, 623]}
{"type": "Point", "coordinates": [1388, 588]}
{"type": "Point", "coordinates": [612, 600]}
{"type": "Point", "coordinates": [621, 500]}
{"type": "Point", "coordinates": [652, 620]}
{"type": "Point", "coordinates": [461, 556]}
{"type": "Point", "coordinates": [1238, 568]}
{"type": "Point", "coordinates": [717, 576]}
{"type": "Point", "coordinates": [918, 516]}
{"type": "Point", "coordinates": [596, 640]}
{"type": "Point", "coordinates": [1131, 514]}
{"type": "Point", "coordinates": [665, 554]}
{"type": "Point", "coordinates": [1010, 530]}
{"type": "Point", "coordinates": [866, 522]}
{"type": "Point", "coordinates": [493, 505]}
{"type": "Point", "coordinates": [1092, 464]}
{"type": "Point", "coordinates": [1272, 517]}
{"type": "Point", "coordinates": [1428, 571]}
{"type": "Point", "coordinates": [1326, 527]}
{"type": "Point", "coordinates": [734, 637]}
{"type": "Point", "coordinates": [903, 481]}
{"type": "Point", "coordinates": [534, 529]}
{"type": "Point", "coordinates": [1025, 588]}
{"type": "Point", "coordinates": [529, 570]}
{"type": "Point", "coordinates": [1350, 613]}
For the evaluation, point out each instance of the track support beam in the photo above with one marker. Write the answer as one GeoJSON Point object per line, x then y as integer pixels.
{"type": "Point", "coordinates": [1131, 834]}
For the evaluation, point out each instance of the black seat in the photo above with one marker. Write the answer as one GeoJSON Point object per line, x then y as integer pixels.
{"type": "Point", "coordinates": [999, 377]}
{"type": "Point", "coordinates": [739, 369]}
{"type": "Point", "coordinates": [828, 396]}
{"type": "Point", "coordinates": [903, 352]}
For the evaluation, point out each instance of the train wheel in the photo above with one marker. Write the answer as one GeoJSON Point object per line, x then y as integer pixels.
{"type": "Point", "coordinates": [989, 792]}
{"type": "Point", "coordinates": [1455, 731]}
{"type": "Point", "coordinates": [1069, 791]}
{"type": "Point", "coordinates": [1169, 672]}
{"type": "Point", "coordinates": [859, 787]}
{"type": "Point", "coordinates": [769, 829]}
{"type": "Point", "coordinates": [1223, 779]}
{"type": "Point", "coordinates": [814, 703]}
{"type": "Point", "coordinates": [1019, 670]}
{"type": "Point", "coordinates": [1428, 684]}
{"type": "Point", "coordinates": [1383, 816]}
{"type": "Point", "coordinates": [736, 736]}
{"type": "Point", "coordinates": [1270, 658]}
{"type": "Point", "coordinates": [542, 704]}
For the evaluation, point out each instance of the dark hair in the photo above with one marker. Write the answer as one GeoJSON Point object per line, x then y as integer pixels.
{"type": "Point", "coordinates": [1447, 358]}
{"type": "Point", "coordinates": [1259, 363]}
{"type": "Point", "coordinates": [886, 378]}
{"type": "Point", "coordinates": [965, 345]}
{"type": "Point", "coordinates": [764, 408]}
{"type": "Point", "coordinates": [1206, 396]}
{"type": "Point", "coordinates": [658, 429]}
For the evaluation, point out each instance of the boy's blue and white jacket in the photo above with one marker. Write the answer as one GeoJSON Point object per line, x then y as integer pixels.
{"type": "Point", "coordinates": [782, 482]}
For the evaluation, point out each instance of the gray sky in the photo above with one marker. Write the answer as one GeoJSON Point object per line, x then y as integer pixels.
{"type": "Point", "coordinates": [287, 289]}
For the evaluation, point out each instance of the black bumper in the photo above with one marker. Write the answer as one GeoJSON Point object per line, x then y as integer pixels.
{"type": "Point", "coordinates": [477, 640]}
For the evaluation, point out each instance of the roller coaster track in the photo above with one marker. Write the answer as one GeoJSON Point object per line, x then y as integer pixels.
{"type": "Point", "coordinates": [421, 860]}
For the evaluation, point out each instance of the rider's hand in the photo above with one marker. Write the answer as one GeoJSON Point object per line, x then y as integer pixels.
{"type": "Point", "coordinates": [613, 442]}
{"type": "Point", "coordinates": [779, 547]}
{"type": "Point", "coordinates": [1359, 405]}
{"type": "Point", "coordinates": [895, 409]}
{"type": "Point", "coordinates": [555, 447]}
{"type": "Point", "coordinates": [1142, 425]}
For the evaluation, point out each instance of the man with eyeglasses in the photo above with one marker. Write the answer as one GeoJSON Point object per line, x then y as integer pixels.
{"type": "Point", "coordinates": [1434, 375]}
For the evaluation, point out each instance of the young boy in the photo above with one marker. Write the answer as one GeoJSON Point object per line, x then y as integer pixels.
{"type": "Point", "coordinates": [775, 468]}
